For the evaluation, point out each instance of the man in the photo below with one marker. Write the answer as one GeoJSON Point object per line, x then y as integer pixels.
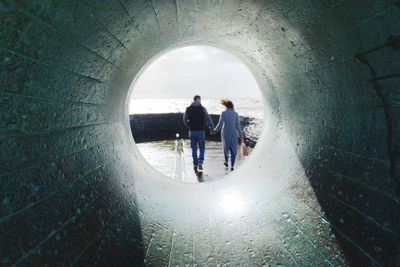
{"type": "Point", "coordinates": [195, 118]}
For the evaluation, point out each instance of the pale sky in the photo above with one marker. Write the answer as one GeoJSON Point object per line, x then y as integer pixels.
{"type": "Point", "coordinates": [204, 70]}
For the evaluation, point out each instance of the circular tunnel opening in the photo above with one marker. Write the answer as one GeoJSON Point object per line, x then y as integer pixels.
{"type": "Point", "coordinates": [164, 90]}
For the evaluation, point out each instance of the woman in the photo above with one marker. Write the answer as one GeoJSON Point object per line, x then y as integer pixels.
{"type": "Point", "coordinates": [229, 123]}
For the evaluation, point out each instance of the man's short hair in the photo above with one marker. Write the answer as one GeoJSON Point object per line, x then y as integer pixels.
{"type": "Point", "coordinates": [196, 97]}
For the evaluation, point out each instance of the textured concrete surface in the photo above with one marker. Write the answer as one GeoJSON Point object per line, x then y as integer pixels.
{"type": "Point", "coordinates": [320, 188]}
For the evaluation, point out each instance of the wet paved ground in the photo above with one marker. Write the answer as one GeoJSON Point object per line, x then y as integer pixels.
{"type": "Point", "coordinates": [163, 156]}
{"type": "Point", "coordinates": [237, 220]}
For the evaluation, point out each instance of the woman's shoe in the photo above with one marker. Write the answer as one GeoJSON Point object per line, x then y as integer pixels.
{"type": "Point", "coordinates": [231, 168]}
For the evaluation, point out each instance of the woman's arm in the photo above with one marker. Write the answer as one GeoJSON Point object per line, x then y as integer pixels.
{"type": "Point", "coordinates": [220, 123]}
{"type": "Point", "coordinates": [237, 126]}
{"type": "Point", "coordinates": [208, 119]}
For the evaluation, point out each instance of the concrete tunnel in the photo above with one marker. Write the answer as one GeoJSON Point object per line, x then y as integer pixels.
{"type": "Point", "coordinates": [321, 188]}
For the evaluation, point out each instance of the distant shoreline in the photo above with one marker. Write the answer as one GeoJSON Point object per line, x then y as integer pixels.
{"type": "Point", "coordinates": [250, 107]}
{"type": "Point", "coordinates": [204, 98]}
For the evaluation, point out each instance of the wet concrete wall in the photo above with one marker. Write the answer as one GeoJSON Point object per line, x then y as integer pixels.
{"type": "Point", "coordinates": [165, 126]}
{"type": "Point", "coordinates": [329, 75]}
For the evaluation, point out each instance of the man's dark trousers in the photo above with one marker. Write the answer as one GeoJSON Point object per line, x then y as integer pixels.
{"type": "Point", "coordinates": [197, 138]}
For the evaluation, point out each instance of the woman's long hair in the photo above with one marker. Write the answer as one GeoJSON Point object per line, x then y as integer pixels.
{"type": "Point", "coordinates": [227, 103]}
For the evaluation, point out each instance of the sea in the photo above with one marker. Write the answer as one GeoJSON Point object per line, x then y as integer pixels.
{"type": "Point", "coordinates": [248, 107]}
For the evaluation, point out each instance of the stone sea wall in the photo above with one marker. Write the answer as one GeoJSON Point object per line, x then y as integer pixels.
{"type": "Point", "coordinates": [165, 126]}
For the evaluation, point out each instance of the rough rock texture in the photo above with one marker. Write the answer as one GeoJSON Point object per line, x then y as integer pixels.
{"type": "Point", "coordinates": [74, 188]}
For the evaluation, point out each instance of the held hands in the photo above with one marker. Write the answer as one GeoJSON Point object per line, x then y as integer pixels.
{"type": "Point", "coordinates": [212, 132]}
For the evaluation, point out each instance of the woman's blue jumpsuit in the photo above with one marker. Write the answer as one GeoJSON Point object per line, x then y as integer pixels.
{"type": "Point", "coordinates": [229, 123]}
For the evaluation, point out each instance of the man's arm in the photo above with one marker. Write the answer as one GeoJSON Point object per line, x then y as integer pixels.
{"type": "Point", "coordinates": [208, 119]}
{"type": "Point", "coordinates": [185, 122]}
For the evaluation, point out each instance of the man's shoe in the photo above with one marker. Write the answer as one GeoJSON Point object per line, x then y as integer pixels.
{"type": "Point", "coordinates": [226, 166]}
{"type": "Point", "coordinates": [200, 166]}
{"type": "Point", "coordinates": [195, 169]}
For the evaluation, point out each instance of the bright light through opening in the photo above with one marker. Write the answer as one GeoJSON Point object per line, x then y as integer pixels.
{"type": "Point", "coordinates": [232, 202]}
{"type": "Point", "coordinates": [191, 70]}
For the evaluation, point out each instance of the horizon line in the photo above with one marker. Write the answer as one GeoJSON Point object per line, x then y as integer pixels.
{"type": "Point", "coordinates": [150, 97]}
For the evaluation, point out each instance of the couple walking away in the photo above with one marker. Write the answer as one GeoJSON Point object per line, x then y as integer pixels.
{"type": "Point", "coordinates": [196, 118]}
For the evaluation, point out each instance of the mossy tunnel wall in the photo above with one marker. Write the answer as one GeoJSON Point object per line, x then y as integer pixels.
{"type": "Point", "coordinates": [320, 188]}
